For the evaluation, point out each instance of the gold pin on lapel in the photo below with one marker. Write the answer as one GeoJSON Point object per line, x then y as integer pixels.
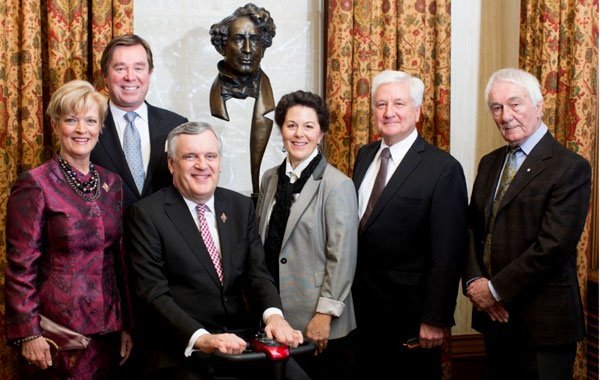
{"type": "Point", "coordinates": [105, 187]}
{"type": "Point", "coordinates": [528, 170]}
{"type": "Point", "coordinates": [224, 217]}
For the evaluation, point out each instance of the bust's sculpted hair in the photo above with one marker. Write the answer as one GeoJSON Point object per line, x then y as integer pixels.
{"type": "Point", "coordinates": [259, 16]}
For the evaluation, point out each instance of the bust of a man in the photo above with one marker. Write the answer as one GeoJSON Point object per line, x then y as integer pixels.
{"type": "Point", "coordinates": [242, 39]}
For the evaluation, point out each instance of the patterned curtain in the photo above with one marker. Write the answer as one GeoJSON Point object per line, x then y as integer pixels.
{"type": "Point", "coordinates": [559, 45]}
{"type": "Point", "coordinates": [43, 44]}
{"type": "Point", "coordinates": [366, 37]}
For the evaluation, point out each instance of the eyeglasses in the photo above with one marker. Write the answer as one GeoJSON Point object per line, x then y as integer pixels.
{"type": "Point", "coordinates": [411, 343]}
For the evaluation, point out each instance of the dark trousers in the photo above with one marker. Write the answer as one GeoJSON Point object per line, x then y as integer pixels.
{"type": "Point", "coordinates": [128, 370]}
{"type": "Point", "coordinates": [216, 369]}
{"type": "Point", "coordinates": [507, 359]}
{"type": "Point", "coordinates": [332, 364]}
{"type": "Point", "coordinates": [382, 356]}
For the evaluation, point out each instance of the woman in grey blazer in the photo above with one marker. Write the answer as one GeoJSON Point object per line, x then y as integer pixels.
{"type": "Point", "coordinates": [308, 222]}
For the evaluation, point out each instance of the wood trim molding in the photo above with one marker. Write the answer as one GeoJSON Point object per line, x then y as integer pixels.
{"type": "Point", "coordinates": [467, 346]}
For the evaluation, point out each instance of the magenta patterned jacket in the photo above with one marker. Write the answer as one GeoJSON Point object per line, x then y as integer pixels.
{"type": "Point", "coordinates": [64, 255]}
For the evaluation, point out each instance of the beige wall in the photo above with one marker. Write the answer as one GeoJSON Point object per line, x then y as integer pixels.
{"type": "Point", "coordinates": [485, 38]}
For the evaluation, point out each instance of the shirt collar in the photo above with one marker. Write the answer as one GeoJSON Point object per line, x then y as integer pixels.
{"type": "Point", "coordinates": [119, 114]}
{"type": "Point", "coordinates": [403, 145]}
{"type": "Point", "coordinates": [210, 205]}
{"type": "Point", "coordinates": [535, 138]}
{"type": "Point", "coordinates": [298, 171]}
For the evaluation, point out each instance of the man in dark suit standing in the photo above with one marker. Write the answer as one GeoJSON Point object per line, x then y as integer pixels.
{"type": "Point", "coordinates": [528, 208]}
{"type": "Point", "coordinates": [197, 258]}
{"type": "Point", "coordinates": [412, 203]}
{"type": "Point", "coordinates": [132, 143]}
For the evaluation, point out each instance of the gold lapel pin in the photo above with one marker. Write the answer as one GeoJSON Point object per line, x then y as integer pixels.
{"type": "Point", "coordinates": [105, 187]}
{"type": "Point", "coordinates": [528, 170]}
{"type": "Point", "coordinates": [224, 217]}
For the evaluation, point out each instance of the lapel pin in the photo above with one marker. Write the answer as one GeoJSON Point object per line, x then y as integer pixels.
{"type": "Point", "coordinates": [528, 170]}
{"type": "Point", "coordinates": [105, 187]}
{"type": "Point", "coordinates": [224, 217]}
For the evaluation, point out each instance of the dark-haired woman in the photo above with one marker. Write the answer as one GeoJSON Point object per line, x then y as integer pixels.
{"type": "Point", "coordinates": [308, 222]}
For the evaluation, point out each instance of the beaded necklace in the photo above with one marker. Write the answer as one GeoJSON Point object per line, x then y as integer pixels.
{"type": "Point", "coordinates": [88, 190]}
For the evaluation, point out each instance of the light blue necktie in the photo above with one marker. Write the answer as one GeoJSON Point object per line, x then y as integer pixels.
{"type": "Point", "coordinates": [133, 151]}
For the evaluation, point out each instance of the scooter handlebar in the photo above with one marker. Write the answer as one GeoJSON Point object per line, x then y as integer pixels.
{"type": "Point", "coordinates": [246, 356]}
{"type": "Point", "coordinates": [249, 356]}
{"type": "Point", "coordinates": [308, 346]}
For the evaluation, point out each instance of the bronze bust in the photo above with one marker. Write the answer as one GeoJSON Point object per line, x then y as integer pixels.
{"type": "Point", "coordinates": [242, 39]}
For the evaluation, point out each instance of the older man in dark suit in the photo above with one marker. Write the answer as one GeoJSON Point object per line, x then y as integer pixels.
{"type": "Point", "coordinates": [528, 208]}
{"type": "Point", "coordinates": [197, 258]}
{"type": "Point", "coordinates": [412, 203]}
{"type": "Point", "coordinates": [132, 143]}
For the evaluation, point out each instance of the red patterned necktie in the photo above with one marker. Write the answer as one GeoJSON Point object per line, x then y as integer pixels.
{"type": "Point", "coordinates": [208, 241]}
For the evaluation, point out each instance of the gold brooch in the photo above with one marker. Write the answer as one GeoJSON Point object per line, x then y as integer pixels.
{"type": "Point", "coordinates": [223, 217]}
{"type": "Point", "coordinates": [105, 187]}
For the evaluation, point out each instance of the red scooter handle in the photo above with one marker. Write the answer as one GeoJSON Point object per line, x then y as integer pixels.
{"type": "Point", "coordinates": [262, 347]}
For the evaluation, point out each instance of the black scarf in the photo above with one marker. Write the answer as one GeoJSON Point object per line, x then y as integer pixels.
{"type": "Point", "coordinates": [281, 212]}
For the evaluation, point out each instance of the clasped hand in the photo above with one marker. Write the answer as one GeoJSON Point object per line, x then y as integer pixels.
{"type": "Point", "coordinates": [480, 295]}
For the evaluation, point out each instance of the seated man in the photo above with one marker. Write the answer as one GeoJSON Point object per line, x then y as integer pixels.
{"type": "Point", "coordinates": [197, 258]}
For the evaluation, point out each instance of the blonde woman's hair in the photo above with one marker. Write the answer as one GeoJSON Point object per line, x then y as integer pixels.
{"type": "Point", "coordinates": [75, 97]}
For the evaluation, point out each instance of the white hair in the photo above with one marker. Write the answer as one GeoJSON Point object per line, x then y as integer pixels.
{"type": "Point", "coordinates": [519, 78]}
{"type": "Point", "coordinates": [189, 128]}
{"type": "Point", "coordinates": [415, 85]}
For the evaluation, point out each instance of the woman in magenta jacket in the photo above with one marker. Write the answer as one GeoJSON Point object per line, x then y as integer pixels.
{"type": "Point", "coordinates": [64, 248]}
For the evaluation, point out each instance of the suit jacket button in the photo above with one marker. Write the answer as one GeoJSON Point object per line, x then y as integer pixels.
{"type": "Point", "coordinates": [225, 299]}
{"type": "Point", "coordinates": [283, 260]}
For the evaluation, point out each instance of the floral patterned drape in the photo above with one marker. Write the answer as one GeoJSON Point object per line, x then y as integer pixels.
{"type": "Point", "coordinates": [559, 45]}
{"type": "Point", "coordinates": [43, 44]}
{"type": "Point", "coordinates": [366, 37]}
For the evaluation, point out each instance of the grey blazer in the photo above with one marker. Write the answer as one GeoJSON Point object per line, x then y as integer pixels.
{"type": "Point", "coordinates": [318, 254]}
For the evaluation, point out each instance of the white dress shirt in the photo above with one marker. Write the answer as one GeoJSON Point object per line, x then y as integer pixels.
{"type": "Point", "coordinates": [295, 174]}
{"type": "Point", "coordinates": [397, 151]}
{"type": "Point", "coordinates": [141, 124]}
{"type": "Point", "coordinates": [211, 219]}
